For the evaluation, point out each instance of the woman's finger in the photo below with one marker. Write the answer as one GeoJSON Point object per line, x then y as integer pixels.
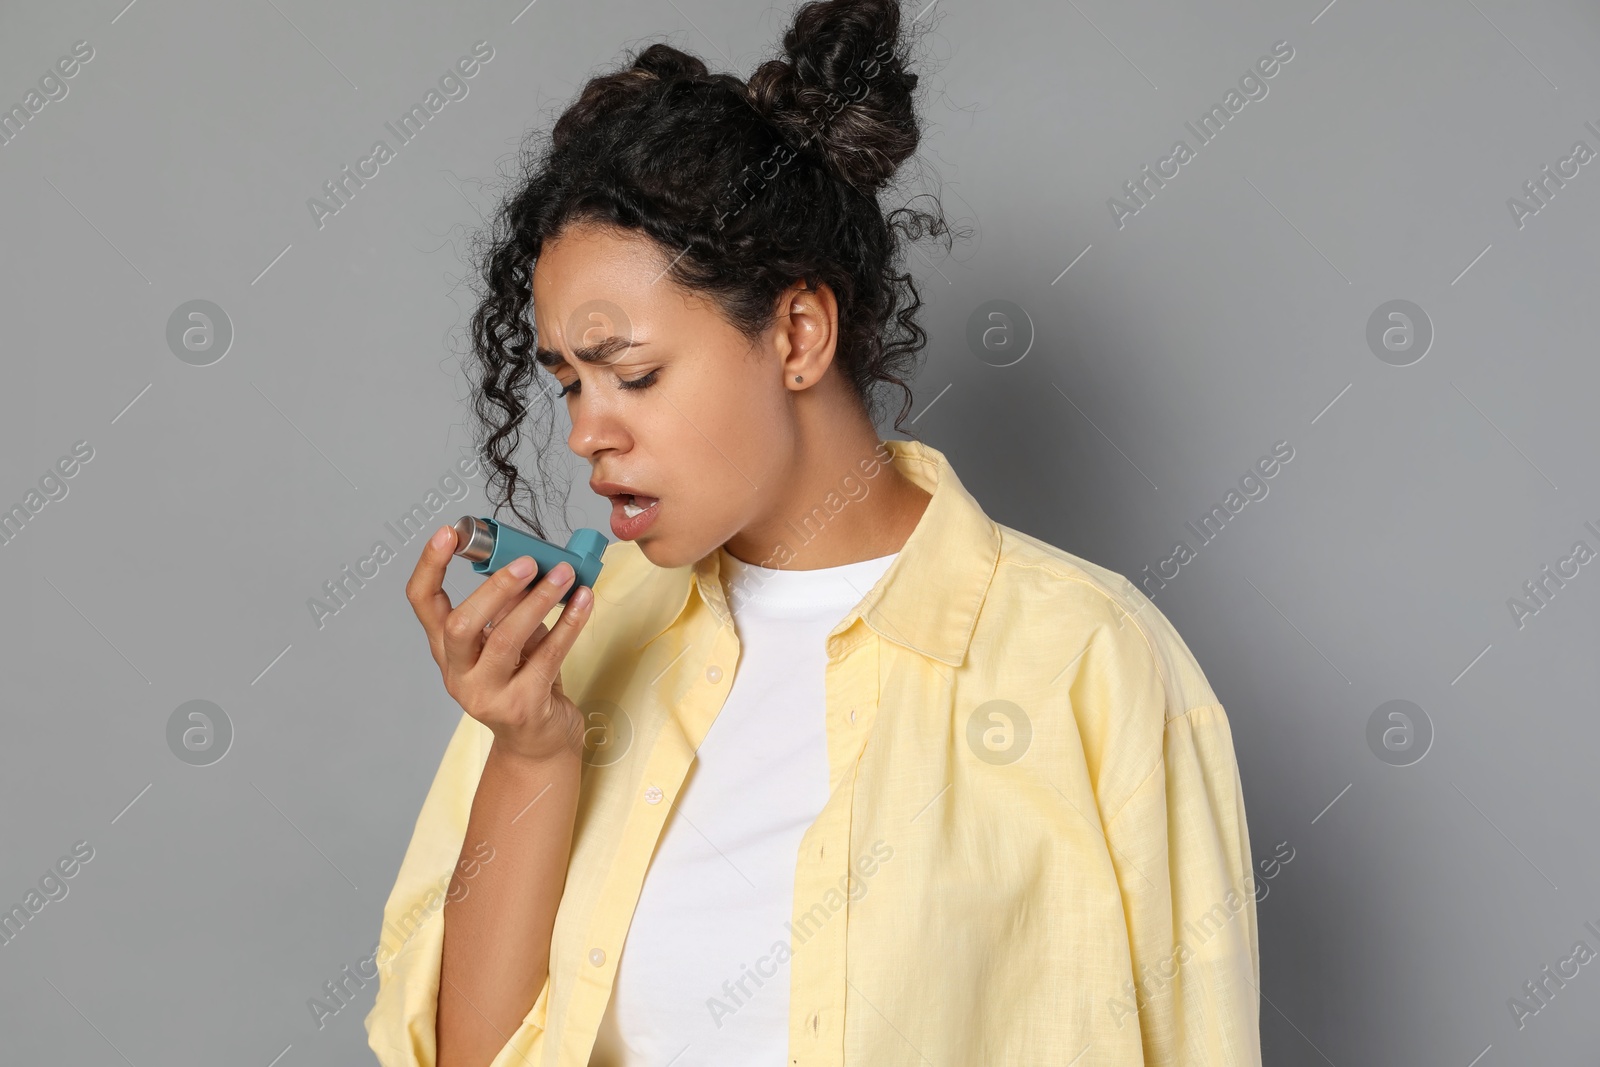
{"type": "Point", "coordinates": [425, 588]}
{"type": "Point", "coordinates": [504, 644]}
{"type": "Point", "coordinates": [464, 634]}
{"type": "Point", "coordinates": [543, 664]}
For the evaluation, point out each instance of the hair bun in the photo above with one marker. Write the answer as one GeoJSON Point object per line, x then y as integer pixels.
{"type": "Point", "coordinates": [843, 89]}
{"type": "Point", "coordinates": [665, 61]}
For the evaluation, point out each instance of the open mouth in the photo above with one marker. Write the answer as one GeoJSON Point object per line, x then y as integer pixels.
{"type": "Point", "coordinates": [635, 504]}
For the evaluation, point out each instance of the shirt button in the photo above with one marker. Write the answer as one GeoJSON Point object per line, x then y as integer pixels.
{"type": "Point", "coordinates": [852, 714]}
{"type": "Point", "coordinates": [652, 795]}
{"type": "Point", "coordinates": [597, 956]}
{"type": "Point", "coordinates": [713, 673]}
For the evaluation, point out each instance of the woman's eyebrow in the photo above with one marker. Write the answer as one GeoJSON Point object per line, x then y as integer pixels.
{"type": "Point", "coordinates": [599, 352]}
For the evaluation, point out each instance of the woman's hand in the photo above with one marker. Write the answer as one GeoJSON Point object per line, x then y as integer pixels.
{"type": "Point", "coordinates": [499, 660]}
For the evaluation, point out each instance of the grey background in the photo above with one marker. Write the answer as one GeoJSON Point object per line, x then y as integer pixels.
{"type": "Point", "coordinates": [1229, 314]}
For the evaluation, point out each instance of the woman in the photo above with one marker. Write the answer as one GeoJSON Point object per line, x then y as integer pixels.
{"type": "Point", "coordinates": [828, 768]}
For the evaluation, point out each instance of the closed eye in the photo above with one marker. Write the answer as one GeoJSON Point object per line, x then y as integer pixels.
{"type": "Point", "coordinates": [642, 382]}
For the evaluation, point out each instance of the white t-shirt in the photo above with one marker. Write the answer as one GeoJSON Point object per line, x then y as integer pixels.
{"type": "Point", "coordinates": [697, 983]}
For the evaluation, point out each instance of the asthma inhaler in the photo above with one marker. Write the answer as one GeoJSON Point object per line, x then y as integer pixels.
{"type": "Point", "coordinates": [491, 545]}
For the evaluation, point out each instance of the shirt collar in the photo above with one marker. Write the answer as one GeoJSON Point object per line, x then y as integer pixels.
{"type": "Point", "coordinates": [928, 599]}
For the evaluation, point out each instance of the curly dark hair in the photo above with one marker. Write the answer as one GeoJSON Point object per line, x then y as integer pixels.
{"type": "Point", "coordinates": [746, 187]}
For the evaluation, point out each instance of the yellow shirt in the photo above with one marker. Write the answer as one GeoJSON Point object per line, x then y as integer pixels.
{"type": "Point", "coordinates": [1034, 848]}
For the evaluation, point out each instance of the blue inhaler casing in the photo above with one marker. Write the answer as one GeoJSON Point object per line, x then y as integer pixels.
{"type": "Point", "coordinates": [491, 545]}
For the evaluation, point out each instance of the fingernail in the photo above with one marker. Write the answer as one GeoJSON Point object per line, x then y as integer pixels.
{"type": "Point", "coordinates": [559, 574]}
{"type": "Point", "coordinates": [441, 537]}
{"type": "Point", "coordinates": [521, 568]}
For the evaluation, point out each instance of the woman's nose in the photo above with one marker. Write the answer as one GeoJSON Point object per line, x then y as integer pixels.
{"type": "Point", "coordinates": [594, 429]}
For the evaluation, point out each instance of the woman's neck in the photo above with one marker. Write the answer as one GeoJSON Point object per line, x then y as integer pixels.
{"type": "Point", "coordinates": [833, 511]}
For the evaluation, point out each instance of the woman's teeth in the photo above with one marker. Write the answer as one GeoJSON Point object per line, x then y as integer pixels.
{"type": "Point", "coordinates": [630, 509]}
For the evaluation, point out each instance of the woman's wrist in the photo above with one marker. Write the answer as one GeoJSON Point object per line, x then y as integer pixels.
{"type": "Point", "coordinates": [540, 766]}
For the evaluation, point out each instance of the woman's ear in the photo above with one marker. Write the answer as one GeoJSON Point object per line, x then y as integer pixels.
{"type": "Point", "coordinates": [807, 333]}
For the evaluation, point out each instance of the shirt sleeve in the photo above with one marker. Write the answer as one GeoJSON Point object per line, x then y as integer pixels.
{"type": "Point", "coordinates": [400, 1026]}
{"type": "Point", "coordinates": [1181, 850]}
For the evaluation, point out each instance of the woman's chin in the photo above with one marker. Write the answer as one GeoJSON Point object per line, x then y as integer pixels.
{"type": "Point", "coordinates": [664, 553]}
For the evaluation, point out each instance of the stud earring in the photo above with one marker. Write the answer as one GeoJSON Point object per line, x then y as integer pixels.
{"type": "Point", "coordinates": [798, 378]}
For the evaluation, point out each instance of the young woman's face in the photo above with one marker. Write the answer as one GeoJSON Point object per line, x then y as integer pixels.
{"type": "Point", "coordinates": [688, 413]}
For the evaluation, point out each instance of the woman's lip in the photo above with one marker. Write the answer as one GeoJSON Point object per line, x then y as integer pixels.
{"type": "Point", "coordinates": [626, 528]}
{"type": "Point", "coordinates": [611, 489]}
